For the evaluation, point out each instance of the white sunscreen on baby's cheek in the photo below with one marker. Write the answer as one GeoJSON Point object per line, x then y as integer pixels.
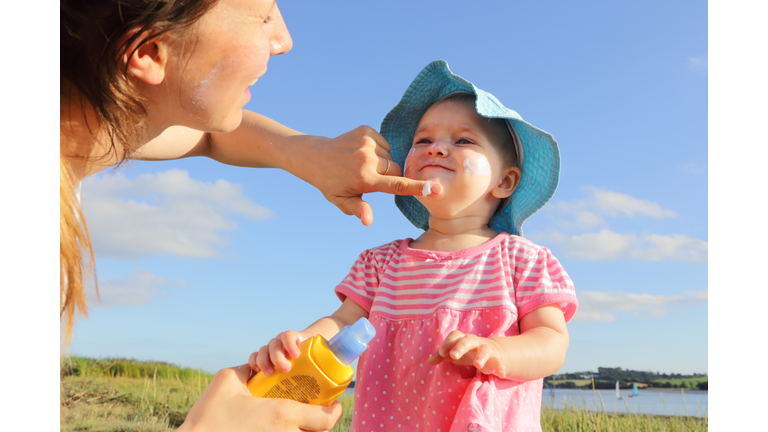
{"type": "Point", "coordinates": [408, 158]}
{"type": "Point", "coordinates": [477, 165]}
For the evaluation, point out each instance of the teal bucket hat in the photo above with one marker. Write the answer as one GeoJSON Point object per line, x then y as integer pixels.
{"type": "Point", "coordinates": [540, 155]}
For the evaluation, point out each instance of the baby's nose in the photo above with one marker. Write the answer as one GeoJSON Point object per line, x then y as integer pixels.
{"type": "Point", "coordinates": [436, 149]}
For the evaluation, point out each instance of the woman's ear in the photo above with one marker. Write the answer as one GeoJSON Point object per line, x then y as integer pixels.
{"type": "Point", "coordinates": [146, 57]}
{"type": "Point", "coordinates": [509, 180]}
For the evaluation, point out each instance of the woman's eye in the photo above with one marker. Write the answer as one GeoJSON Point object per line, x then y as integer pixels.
{"type": "Point", "coordinates": [268, 19]}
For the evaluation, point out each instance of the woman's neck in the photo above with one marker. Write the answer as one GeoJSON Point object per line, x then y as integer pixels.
{"type": "Point", "coordinates": [454, 234]}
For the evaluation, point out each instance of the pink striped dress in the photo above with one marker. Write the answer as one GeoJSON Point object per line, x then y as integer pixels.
{"type": "Point", "coordinates": [415, 298]}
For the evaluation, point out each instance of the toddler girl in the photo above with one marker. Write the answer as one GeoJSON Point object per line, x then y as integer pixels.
{"type": "Point", "coordinates": [470, 316]}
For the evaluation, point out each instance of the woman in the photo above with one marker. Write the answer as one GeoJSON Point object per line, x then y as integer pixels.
{"type": "Point", "coordinates": [167, 79]}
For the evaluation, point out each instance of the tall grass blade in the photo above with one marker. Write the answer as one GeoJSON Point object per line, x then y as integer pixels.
{"type": "Point", "coordinates": [154, 386]}
{"type": "Point", "coordinates": [685, 404]}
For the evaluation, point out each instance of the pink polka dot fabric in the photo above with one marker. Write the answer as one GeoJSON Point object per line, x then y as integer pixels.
{"type": "Point", "coordinates": [415, 298]}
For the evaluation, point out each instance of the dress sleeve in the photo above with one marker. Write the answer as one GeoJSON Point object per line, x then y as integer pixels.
{"type": "Point", "coordinates": [542, 281]}
{"type": "Point", "coordinates": [361, 282]}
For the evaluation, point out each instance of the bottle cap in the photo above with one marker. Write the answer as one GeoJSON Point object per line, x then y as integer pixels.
{"type": "Point", "coordinates": [352, 340]}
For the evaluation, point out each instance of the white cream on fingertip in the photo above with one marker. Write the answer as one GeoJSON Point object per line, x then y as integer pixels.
{"type": "Point", "coordinates": [427, 189]}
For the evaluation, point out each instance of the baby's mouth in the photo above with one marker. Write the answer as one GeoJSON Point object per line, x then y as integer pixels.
{"type": "Point", "coordinates": [435, 166]}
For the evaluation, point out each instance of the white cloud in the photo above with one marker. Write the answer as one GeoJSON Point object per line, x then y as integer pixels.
{"type": "Point", "coordinates": [137, 289]}
{"type": "Point", "coordinates": [590, 211]}
{"type": "Point", "coordinates": [675, 247]}
{"type": "Point", "coordinates": [692, 167]}
{"type": "Point", "coordinates": [603, 245]}
{"type": "Point", "coordinates": [601, 306]}
{"type": "Point", "coordinates": [593, 212]}
{"type": "Point", "coordinates": [698, 63]}
{"type": "Point", "coordinates": [162, 213]}
{"type": "Point", "coordinates": [609, 245]}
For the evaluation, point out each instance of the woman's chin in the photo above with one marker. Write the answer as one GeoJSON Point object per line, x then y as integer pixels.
{"type": "Point", "coordinates": [227, 124]}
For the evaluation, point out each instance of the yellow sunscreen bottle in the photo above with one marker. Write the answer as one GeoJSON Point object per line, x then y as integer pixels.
{"type": "Point", "coordinates": [321, 372]}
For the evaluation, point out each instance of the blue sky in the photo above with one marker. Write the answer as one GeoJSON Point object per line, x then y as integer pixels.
{"type": "Point", "coordinates": [200, 263]}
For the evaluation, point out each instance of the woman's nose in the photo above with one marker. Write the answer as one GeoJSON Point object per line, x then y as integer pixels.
{"type": "Point", "coordinates": [281, 41]}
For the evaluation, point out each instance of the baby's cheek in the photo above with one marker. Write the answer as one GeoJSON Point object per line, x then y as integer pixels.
{"type": "Point", "coordinates": [477, 165]}
{"type": "Point", "coordinates": [407, 162]}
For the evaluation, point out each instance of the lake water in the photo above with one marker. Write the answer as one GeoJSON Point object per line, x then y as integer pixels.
{"type": "Point", "coordinates": [658, 402]}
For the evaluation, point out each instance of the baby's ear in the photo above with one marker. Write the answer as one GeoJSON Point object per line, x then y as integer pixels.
{"type": "Point", "coordinates": [146, 57]}
{"type": "Point", "coordinates": [509, 180]}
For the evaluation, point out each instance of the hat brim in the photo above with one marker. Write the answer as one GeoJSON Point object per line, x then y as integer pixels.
{"type": "Point", "coordinates": [540, 172]}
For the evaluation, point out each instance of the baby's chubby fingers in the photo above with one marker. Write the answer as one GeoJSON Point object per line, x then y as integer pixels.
{"type": "Point", "coordinates": [277, 353]}
{"type": "Point", "coordinates": [252, 362]}
{"type": "Point", "coordinates": [262, 361]}
{"type": "Point", "coordinates": [291, 340]}
{"type": "Point", "coordinates": [488, 360]}
{"type": "Point", "coordinates": [447, 348]}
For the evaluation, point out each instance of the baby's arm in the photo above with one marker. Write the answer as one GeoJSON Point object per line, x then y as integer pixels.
{"type": "Point", "coordinates": [285, 345]}
{"type": "Point", "coordinates": [538, 351]}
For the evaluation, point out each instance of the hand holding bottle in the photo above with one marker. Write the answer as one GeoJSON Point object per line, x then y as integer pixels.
{"type": "Point", "coordinates": [227, 405]}
{"type": "Point", "coordinates": [318, 373]}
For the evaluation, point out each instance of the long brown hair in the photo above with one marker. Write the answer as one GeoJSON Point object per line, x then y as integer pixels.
{"type": "Point", "coordinates": [94, 35]}
{"type": "Point", "coordinates": [74, 241]}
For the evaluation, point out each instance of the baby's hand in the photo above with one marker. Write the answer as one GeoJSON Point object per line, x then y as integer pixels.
{"type": "Point", "coordinates": [470, 350]}
{"type": "Point", "coordinates": [276, 353]}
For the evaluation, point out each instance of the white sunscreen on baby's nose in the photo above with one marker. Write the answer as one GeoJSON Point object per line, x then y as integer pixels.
{"type": "Point", "coordinates": [477, 165]}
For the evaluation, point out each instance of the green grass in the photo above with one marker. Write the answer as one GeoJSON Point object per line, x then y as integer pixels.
{"type": "Point", "coordinates": [126, 395]}
{"type": "Point", "coordinates": [578, 382]}
{"type": "Point", "coordinates": [121, 395]}
{"type": "Point", "coordinates": [575, 417]}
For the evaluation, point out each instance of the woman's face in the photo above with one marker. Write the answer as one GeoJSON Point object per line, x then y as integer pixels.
{"type": "Point", "coordinates": [227, 54]}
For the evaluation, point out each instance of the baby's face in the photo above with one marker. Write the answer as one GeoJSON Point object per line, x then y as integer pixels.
{"type": "Point", "coordinates": [454, 146]}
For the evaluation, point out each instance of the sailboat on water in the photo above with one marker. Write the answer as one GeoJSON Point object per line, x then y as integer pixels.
{"type": "Point", "coordinates": [634, 391]}
{"type": "Point", "coordinates": [618, 396]}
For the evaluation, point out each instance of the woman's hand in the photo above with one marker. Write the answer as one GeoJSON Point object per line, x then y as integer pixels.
{"type": "Point", "coordinates": [358, 162]}
{"type": "Point", "coordinates": [227, 405]}
{"type": "Point", "coordinates": [470, 350]}
{"type": "Point", "coordinates": [342, 168]}
{"type": "Point", "coordinates": [277, 352]}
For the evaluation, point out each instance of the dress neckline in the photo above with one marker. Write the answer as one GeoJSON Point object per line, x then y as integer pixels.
{"type": "Point", "coordinates": [405, 247]}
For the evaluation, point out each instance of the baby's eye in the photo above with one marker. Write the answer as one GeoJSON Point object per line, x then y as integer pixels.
{"type": "Point", "coordinates": [464, 141]}
{"type": "Point", "coordinates": [423, 141]}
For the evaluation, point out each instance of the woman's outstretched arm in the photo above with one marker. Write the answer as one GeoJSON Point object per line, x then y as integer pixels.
{"type": "Point", "coordinates": [342, 168]}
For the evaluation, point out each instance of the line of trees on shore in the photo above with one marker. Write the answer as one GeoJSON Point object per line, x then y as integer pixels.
{"type": "Point", "coordinates": [606, 379]}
